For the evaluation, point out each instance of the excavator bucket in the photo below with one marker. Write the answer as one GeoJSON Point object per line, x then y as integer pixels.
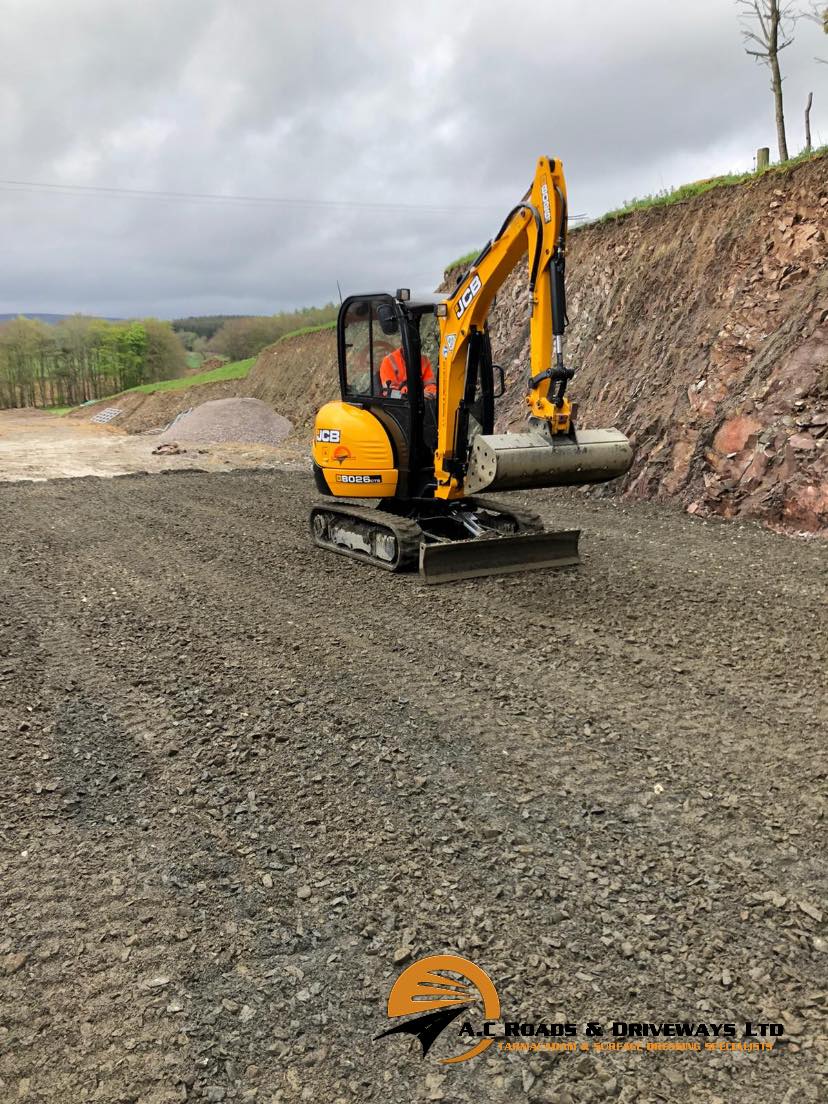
{"type": "Point", "coordinates": [520, 461]}
{"type": "Point", "coordinates": [447, 561]}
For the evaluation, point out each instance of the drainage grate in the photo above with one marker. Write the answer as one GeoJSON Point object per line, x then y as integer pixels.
{"type": "Point", "coordinates": [106, 415]}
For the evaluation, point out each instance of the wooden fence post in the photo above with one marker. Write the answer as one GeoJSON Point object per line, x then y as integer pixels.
{"type": "Point", "coordinates": [762, 158]}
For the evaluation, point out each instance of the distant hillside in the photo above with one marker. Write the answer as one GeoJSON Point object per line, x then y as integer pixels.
{"type": "Point", "coordinates": [50, 319]}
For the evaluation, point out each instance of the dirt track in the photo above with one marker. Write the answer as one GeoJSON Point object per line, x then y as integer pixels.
{"type": "Point", "coordinates": [239, 776]}
{"type": "Point", "coordinates": [36, 446]}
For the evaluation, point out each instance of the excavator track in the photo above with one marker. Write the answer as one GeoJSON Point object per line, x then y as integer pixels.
{"type": "Point", "coordinates": [372, 536]}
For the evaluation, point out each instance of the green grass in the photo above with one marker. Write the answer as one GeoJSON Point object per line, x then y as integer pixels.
{"type": "Point", "coordinates": [306, 330]}
{"type": "Point", "coordinates": [686, 191]}
{"type": "Point", "coordinates": [236, 370]}
{"type": "Point", "coordinates": [467, 258]}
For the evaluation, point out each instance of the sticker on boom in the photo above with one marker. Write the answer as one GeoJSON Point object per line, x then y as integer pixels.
{"type": "Point", "coordinates": [451, 341]}
{"type": "Point", "coordinates": [467, 296]}
{"type": "Point", "coordinates": [329, 436]}
{"type": "Point", "coordinates": [547, 210]}
{"type": "Point", "coordinates": [359, 479]}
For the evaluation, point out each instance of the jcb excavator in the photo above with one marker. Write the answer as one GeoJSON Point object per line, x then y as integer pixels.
{"type": "Point", "coordinates": [412, 437]}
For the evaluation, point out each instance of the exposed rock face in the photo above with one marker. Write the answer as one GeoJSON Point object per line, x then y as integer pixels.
{"type": "Point", "coordinates": [701, 330]}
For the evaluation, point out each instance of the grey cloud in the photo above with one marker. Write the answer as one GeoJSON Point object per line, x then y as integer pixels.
{"type": "Point", "coordinates": [425, 104]}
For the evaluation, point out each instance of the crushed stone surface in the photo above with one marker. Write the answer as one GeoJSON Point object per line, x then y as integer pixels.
{"type": "Point", "coordinates": [244, 781]}
{"type": "Point", "coordinates": [226, 421]}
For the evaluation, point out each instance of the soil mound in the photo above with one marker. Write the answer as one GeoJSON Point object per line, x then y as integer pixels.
{"type": "Point", "coordinates": [226, 421]}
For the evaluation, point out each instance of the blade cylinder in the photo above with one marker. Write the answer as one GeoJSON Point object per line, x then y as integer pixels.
{"type": "Point", "coordinates": [520, 461]}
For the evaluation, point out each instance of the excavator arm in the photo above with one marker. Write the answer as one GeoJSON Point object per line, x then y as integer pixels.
{"type": "Point", "coordinates": [535, 228]}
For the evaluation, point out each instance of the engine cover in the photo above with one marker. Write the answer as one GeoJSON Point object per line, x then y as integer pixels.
{"type": "Point", "coordinates": [352, 451]}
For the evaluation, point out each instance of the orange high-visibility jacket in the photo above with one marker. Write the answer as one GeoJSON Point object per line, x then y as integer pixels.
{"type": "Point", "coordinates": [394, 377]}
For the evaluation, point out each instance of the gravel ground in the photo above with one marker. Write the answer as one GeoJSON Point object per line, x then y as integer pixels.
{"type": "Point", "coordinates": [244, 780]}
{"type": "Point", "coordinates": [224, 421]}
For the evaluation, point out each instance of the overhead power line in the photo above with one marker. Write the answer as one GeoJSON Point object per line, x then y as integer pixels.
{"type": "Point", "coordinates": [222, 197]}
{"type": "Point", "coordinates": [97, 190]}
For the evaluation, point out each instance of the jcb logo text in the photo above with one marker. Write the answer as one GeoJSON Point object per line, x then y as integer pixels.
{"type": "Point", "coordinates": [467, 296]}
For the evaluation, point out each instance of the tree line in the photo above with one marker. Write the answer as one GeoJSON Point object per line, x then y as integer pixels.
{"type": "Point", "coordinates": [241, 336]}
{"type": "Point", "coordinates": [201, 326]}
{"type": "Point", "coordinates": [83, 358]}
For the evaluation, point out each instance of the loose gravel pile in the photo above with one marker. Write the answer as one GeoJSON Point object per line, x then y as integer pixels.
{"type": "Point", "coordinates": [244, 782]}
{"type": "Point", "coordinates": [229, 421]}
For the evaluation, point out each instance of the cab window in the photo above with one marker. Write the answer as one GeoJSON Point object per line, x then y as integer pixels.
{"type": "Point", "coordinates": [371, 335]}
{"type": "Point", "coordinates": [430, 342]}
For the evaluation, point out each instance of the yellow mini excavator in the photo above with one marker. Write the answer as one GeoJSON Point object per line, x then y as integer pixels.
{"type": "Point", "coordinates": [411, 441]}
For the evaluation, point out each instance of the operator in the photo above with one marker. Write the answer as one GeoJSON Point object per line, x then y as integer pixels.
{"type": "Point", "coordinates": [393, 375]}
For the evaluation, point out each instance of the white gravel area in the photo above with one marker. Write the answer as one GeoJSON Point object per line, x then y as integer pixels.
{"type": "Point", "coordinates": [225, 421]}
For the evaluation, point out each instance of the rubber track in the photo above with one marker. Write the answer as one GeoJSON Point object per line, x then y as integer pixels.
{"type": "Point", "coordinates": [408, 533]}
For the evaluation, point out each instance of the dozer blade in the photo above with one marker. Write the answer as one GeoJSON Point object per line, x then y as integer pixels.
{"type": "Point", "coordinates": [469, 559]}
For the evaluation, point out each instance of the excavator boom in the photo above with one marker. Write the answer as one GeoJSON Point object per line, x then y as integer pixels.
{"type": "Point", "coordinates": [554, 453]}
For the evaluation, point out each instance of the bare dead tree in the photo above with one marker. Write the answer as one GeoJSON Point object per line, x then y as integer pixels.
{"type": "Point", "coordinates": [818, 13]}
{"type": "Point", "coordinates": [768, 30]}
{"type": "Point", "coordinates": [808, 122]}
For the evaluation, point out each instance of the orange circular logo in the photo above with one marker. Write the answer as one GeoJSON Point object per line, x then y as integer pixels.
{"type": "Point", "coordinates": [423, 987]}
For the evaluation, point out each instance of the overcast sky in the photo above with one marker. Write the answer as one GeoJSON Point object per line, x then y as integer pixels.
{"type": "Point", "coordinates": [427, 105]}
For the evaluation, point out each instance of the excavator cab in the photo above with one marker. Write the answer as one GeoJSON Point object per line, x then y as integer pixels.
{"type": "Point", "coordinates": [389, 361]}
